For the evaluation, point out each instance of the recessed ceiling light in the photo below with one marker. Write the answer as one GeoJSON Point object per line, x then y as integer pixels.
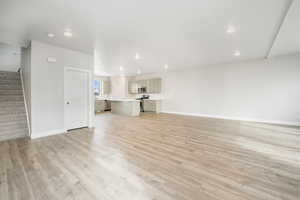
{"type": "Point", "coordinates": [121, 68]}
{"type": "Point", "coordinates": [166, 66]}
{"type": "Point", "coordinates": [237, 53]}
{"type": "Point", "coordinates": [138, 71]}
{"type": "Point", "coordinates": [51, 35]}
{"type": "Point", "coordinates": [68, 33]}
{"type": "Point", "coordinates": [230, 29]}
{"type": "Point", "coordinates": [137, 56]}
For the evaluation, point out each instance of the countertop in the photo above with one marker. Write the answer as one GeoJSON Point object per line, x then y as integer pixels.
{"type": "Point", "coordinates": [126, 99]}
{"type": "Point", "coordinates": [152, 99]}
{"type": "Point", "coordinates": [122, 100]}
{"type": "Point", "coordinates": [116, 99]}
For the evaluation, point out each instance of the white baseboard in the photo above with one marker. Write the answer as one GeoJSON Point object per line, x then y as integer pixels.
{"type": "Point", "coordinates": [47, 133]}
{"type": "Point", "coordinates": [235, 118]}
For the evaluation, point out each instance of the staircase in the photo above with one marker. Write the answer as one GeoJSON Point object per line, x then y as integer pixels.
{"type": "Point", "coordinates": [13, 120]}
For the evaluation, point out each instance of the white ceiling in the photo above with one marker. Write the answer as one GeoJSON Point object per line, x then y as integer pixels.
{"type": "Point", "coordinates": [179, 33]}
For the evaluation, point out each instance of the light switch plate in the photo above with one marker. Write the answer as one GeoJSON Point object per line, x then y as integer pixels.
{"type": "Point", "coordinates": [51, 59]}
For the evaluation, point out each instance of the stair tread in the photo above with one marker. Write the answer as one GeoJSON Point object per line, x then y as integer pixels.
{"type": "Point", "coordinates": [10, 80]}
{"type": "Point", "coordinates": [5, 130]}
{"type": "Point", "coordinates": [11, 93]}
{"type": "Point", "coordinates": [12, 129]}
{"type": "Point", "coordinates": [10, 96]}
{"type": "Point", "coordinates": [2, 107]}
{"type": "Point", "coordinates": [5, 107]}
{"type": "Point", "coordinates": [8, 73]}
{"type": "Point", "coordinates": [11, 84]}
{"type": "Point", "coordinates": [11, 113]}
{"type": "Point", "coordinates": [13, 117]}
{"type": "Point", "coordinates": [10, 88]}
{"type": "Point", "coordinates": [14, 122]}
{"type": "Point", "coordinates": [13, 136]}
{"type": "Point", "coordinates": [5, 91]}
{"type": "Point", "coordinates": [7, 120]}
{"type": "Point", "coordinates": [4, 98]}
{"type": "Point", "coordinates": [10, 77]}
{"type": "Point", "coordinates": [16, 130]}
{"type": "Point", "coordinates": [14, 107]}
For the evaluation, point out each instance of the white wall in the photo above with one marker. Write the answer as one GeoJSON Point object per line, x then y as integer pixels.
{"type": "Point", "coordinates": [266, 90]}
{"type": "Point", "coordinates": [119, 86]}
{"type": "Point", "coordinates": [47, 85]}
{"type": "Point", "coordinates": [10, 58]}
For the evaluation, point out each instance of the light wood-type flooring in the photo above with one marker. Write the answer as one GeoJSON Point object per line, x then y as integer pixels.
{"type": "Point", "coordinates": [155, 157]}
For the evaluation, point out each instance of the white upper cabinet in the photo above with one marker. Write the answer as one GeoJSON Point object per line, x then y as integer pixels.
{"type": "Point", "coordinates": [106, 87]}
{"type": "Point", "coordinates": [133, 87]}
{"type": "Point", "coordinates": [151, 85]}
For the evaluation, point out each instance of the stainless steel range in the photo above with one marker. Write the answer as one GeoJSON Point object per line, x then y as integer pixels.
{"type": "Point", "coordinates": [142, 101]}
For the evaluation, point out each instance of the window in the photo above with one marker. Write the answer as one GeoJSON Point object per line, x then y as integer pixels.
{"type": "Point", "coordinates": [97, 87]}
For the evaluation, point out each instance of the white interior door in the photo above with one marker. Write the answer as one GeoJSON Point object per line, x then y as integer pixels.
{"type": "Point", "coordinates": [76, 99]}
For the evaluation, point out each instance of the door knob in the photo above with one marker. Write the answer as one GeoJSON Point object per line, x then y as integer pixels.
{"type": "Point", "coordinates": [68, 102]}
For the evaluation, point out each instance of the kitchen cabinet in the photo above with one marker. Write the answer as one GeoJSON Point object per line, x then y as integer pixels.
{"type": "Point", "coordinates": [151, 85]}
{"type": "Point", "coordinates": [106, 87]}
{"type": "Point", "coordinates": [152, 105]}
{"type": "Point", "coordinates": [99, 106]}
{"type": "Point", "coordinates": [157, 85]}
{"type": "Point", "coordinates": [150, 88]}
{"type": "Point", "coordinates": [102, 105]}
{"type": "Point", "coordinates": [133, 87]}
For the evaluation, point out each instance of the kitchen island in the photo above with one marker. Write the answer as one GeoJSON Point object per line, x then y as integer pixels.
{"type": "Point", "coordinates": [129, 107]}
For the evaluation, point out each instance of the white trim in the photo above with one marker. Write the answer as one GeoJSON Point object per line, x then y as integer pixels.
{"type": "Point", "coordinates": [90, 91]}
{"type": "Point", "coordinates": [48, 133]}
{"type": "Point", "coordinates": [282, 19]}
{"type": "Point", "coordinates": [235, 118]}
{"type": "Point", "coordinates": [25, 102]}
